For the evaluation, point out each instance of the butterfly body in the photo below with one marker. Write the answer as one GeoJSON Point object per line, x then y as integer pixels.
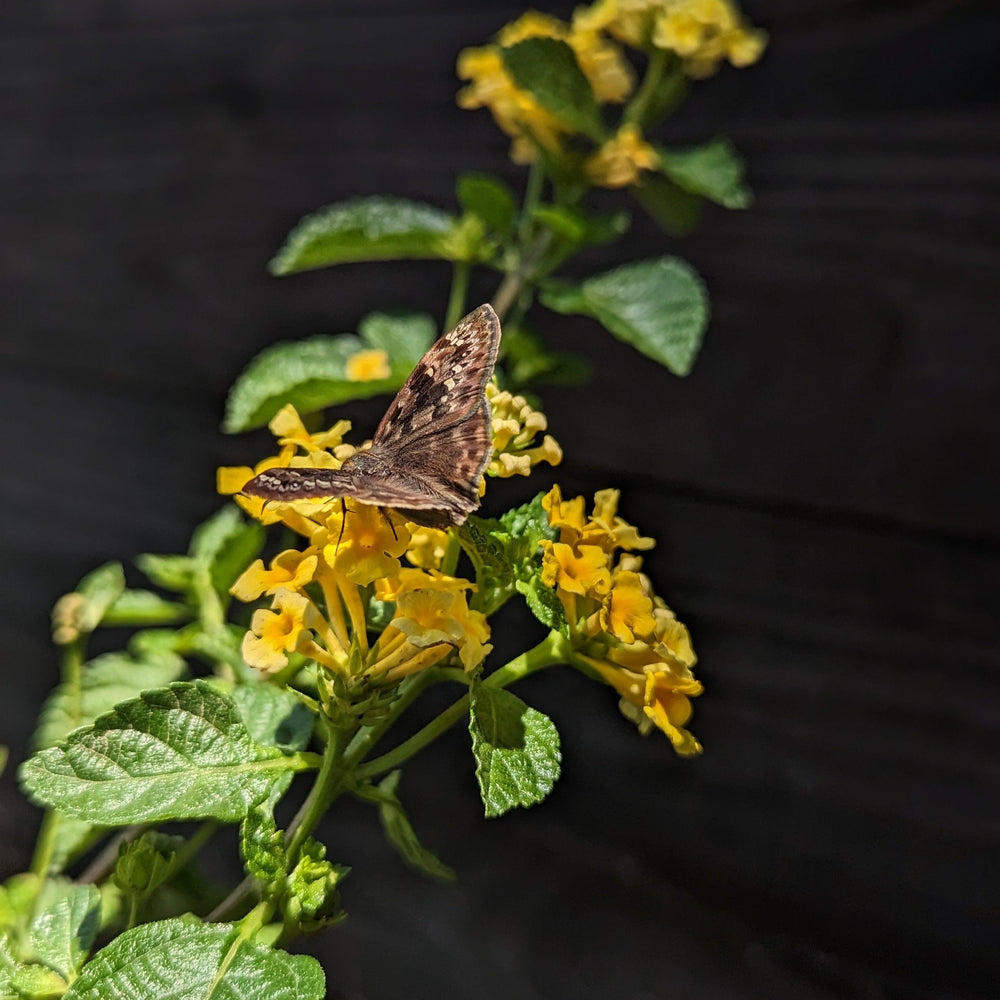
{"type": "Point", "coordinates": [432, 446]}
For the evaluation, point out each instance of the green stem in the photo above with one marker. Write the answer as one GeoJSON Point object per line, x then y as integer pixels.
{"type": "Point", "coordinates": [459, 289]}
{"type": "Point", "coordinates": [45, 845]}
{"type": "Point", "coordinates": [364, 740]}
{"type": "Point", "coordinates": [532, 196]}
{"type": "Point", "coordinates": [554, 648]}
{"type": "Point", "coordinates": [638, 108]}
{"type": "Point", "coordinates": [330, 782]}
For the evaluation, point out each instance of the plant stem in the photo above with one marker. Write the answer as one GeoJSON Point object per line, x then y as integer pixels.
{"type": "Point", "coordinates": [329, 784]}
{"type": "Point", "coordinates": [638, 108]}
{"type": "Point", "coordinates": [554, 648]}
{"type": "Point", "coordinates": [456, 298]}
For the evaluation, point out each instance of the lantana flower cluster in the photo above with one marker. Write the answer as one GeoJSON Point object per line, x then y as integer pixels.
{"type": "Point", "coordinates": [620, 628]}
{"type": "Point", "coordinates": [696, 34]}
{"type": "Point", "coordinates": [357, 557]}
{"type": "Point", "coordinates": [320, 594]}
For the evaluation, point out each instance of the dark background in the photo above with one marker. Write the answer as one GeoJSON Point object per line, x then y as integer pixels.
{"type": "Point", "coordinates": [824, 486]}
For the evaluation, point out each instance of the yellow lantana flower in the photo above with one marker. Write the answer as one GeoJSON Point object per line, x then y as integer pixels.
{"type": "Point", "coordinates": [579, 570]}
{"type": "Point", "coordinates": [365, 542]}
{"type": "Point", "coordinates": [366, 366]}
{"type": "Point", "coordinates": [428, 547]}
{"type": "Point", "coordinates": [274, 634]}
{"type": "Point", "coordinates": [621, 160]}
{"type": "Point", "coordinates": [290, 569]}
{"type": "Point", "coordinates": [701, 32]}
{"type": "Point", "coordinates": [515, 426]}
{"type": "Point", "coordinates": [429, 617]}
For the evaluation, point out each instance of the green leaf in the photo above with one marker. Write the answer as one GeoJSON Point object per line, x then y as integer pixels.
{"type": "Point", "coordinates": [507, 558]}
{"type": "Point", "coordinates": [676, 211]}
{"type": "Point", "coordinates": [714, 170]}
{"type": "Point", "coordinates": [186, 958]}
{"type": "Point", "coordinates": [262, 844]}
{"type": "Point", "coordinates": [274, 716]}
{"type": "Point", "coordinates": [582, 228]}
{"type": "Point", "coordinates": [170, 572]}
{"type": "Point", "coordinates": [309, 374]}
{"type": "Point", "coordinates": [528, 362]}
{"type": "Point", "coordinates": [548, 70]}
{"type": "Point", "coordinates": [401, 834]}
{"type": "Point", "coordinates": [658, 306]}
{"type": "Point", "coordinates": [104, 682]}
{"type": "Point", "coordinates": [99, 589]}
{"type": "Point", "coordinates": [378, 228]}
{"type": "Point", "coordinates": [180, 752]}
{"type": "Point", "coordinates": [516, 750]}
{"type": "Point", "coordinates": [61, 935]}
{"type": "Point", "coordinates": [146, 863]}
{"type": "Point", "coordinates": [405, 337]}
{"type": "Point", "coordinates": [544, 603]}
{"type": "Point", "coordinates": [490, 199]}
{"type": "Point", "coordinates": [35, 982]}
{"type": "Point", "coordinates": [135, 608]}
{"type": "Point", "coordinates": [71, 837]}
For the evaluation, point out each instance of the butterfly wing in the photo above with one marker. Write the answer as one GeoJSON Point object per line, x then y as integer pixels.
{"type": "Point", "coordinates": [431, 447]}
{"type": "Point", "coordinates": [446, 386]}
{"type": "Point", "coordinates": [299, 484]}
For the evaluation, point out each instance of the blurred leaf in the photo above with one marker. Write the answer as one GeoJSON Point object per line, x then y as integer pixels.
{"type": "Point", "coordinates": [658, 306]}
{"type": "Point", "coordinates": [62, 933]}
{"type": "Point", "coordinates": [714, 170]}
{"type": "Point", "coordinates": [401, 834]}
{"type": "Point", "coordinates": [105, 681]}
{"type": "Point", "coordinates": [528, 362]}
{"type": "Point", "coordinates": [490, 199]}
{"type": "Point", "coordinates": [580, 227]}
{"type": "Point", "coordinates": [516, 750]}
{"type": "Point", "coordinates": [548, 70]}
{"type": "Point", "coordinates": [404, 336]}
{"type": "Point", "coordinates": [676, 211]}
{"type": "Point", "coordinates": [309, 374]}
{"type": "Point", "coordinates": [377, 228]}
{"type": "Point", "coordinates": [136, 608]}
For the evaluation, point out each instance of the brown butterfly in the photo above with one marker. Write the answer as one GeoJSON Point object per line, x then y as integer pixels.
{"type": "Point", "coordinates": [431, 447]}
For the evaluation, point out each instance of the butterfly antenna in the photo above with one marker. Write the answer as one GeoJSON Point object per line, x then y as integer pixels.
{"type": "Point", "coordinates": [388, 520]}
{"type": "Point", "coordinates": [343, 523]}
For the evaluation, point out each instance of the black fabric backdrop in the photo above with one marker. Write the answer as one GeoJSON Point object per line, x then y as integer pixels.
{"type": "Point", "coordinates": [824, 486]}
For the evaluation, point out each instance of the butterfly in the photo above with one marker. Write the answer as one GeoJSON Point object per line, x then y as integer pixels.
{"type": "Point", "coordinates": [432, 446]}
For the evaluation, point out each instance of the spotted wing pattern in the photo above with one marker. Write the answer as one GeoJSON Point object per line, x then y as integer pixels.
{"type": "Point", "coordinates": [431, 447]}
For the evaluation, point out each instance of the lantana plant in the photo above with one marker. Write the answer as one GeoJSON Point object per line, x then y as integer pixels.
{"type": "Point", "coordinates": [294, 634]}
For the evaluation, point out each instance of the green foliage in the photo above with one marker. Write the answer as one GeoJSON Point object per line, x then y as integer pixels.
{"type": "Point", "coordinates": [187, 958]}
{"type": "Point", "coordinates": [180, 752]}
{"type": "Point", "coordinates": [529, 362]}
{"type": "Point", "coordinates": [312, 374]}
{"type": "Point", "coordinates": [262, 844]}
{"type": "Point", "coordinates": [312, 895]}
{"type": "Point", "coordinates": [145, 863]}
{"type": "Point", "coordinates": [400, 833]}
{"type": "Point", "coordinates": [516, 749]}
{"type": "Point", "coordinates": [548, 70]}
{"type": "Point", "coordinates": [676, 211]}
{"type": "Point", "coordinates": [366, 229]}
{"type": "Point", "coordinates": [104, 682]}
{"type": "Point", "coordinates": [62, 933]}
{"type": "Point", "coordinates": [713, 170]}
{"type": "Point", "coordinates": [144, 607]}
{"type": "Point", "coordinates": [490, 199]}
{"type": "Point", "coordinates": [507, 558]}
{"type": "Point", "coordinates": [658, 306]}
